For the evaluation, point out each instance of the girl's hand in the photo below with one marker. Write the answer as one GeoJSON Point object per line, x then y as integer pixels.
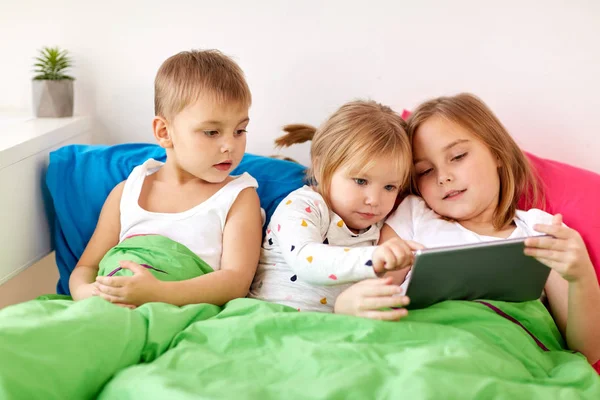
{"type": "Point", "coordinates": [394, 254]}
{"type": "Point", "coordinates": [129, 291]}
{"type": "Point", "coordinates": [368, 297]}
{"type": "Point", "coordinates": [565, 252]}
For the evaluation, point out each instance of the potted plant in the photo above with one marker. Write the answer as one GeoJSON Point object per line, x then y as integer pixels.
{"type": "Point", "coordinates": [52, 88]}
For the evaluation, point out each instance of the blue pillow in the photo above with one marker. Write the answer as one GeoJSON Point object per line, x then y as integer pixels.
{"type": "Point", "coordinates": [80, 177]}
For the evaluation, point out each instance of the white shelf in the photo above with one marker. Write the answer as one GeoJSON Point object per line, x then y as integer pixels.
{"type": "Point", "coordinates": [21, 137]}
{"type": "Point", "coordinates": [25, 144]}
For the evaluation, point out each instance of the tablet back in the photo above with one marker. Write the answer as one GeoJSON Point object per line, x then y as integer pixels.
{"type": "Point", "coordinates": [495, 270]}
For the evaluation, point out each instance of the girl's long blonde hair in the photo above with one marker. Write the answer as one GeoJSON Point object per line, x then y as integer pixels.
{"type": "Point", "coordinates": [357, 134]}
{"type": "Point", "coordinates": [516, 175]}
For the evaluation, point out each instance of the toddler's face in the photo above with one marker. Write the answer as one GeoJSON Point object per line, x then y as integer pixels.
{"type": "Point", "coordinates": [362, 200]}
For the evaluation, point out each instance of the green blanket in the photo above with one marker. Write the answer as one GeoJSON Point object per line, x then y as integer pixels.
{"type": "Point", "coordinates": [65, 350]}
{"type": "Point", "coordinates": [248, 349]}
{"type": "Point", "coordinates": [166, 259]}
{"type": "Point", "coordinates": [255, 350]}
{"type": "Point", "coordinates": [455, 350]}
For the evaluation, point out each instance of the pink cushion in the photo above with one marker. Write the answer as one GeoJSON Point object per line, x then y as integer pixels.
{"type": "Point", "coordinates": [574, 193]}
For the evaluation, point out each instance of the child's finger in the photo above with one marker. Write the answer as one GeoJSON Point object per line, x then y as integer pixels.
{"type": "Point", "coordinates": [414, 245]}
{"type": "Point", "coordinates": [112, 299]}
{"type": "Point", "coordinates": [555, 265]}
{"type": "Point", "coordinates": [112, 291]}
{"type": "Point", "coordinates": [546, 243]}
{"type": "Point", "coordinates": [389, 259]}
{"type": "Point", "coordinates": [558, 231]}
{"type": "Point", "coordinates": [406, 257]}
{"type": "Point", "coordinates": [549, 262]}
{"type": "Point", "coordinates": [379, 261]}
{"type": "Point", "coordinates": [391, 315]}
{"type": "Point", "coordinates": [375, 282]}
{"type": "Point", "coordinates": [114, 281]}
{"type": "Point", "coordinates": [544, 253]}
{"type": "Point", "coordinates": [375, 303]}
{"type": "Point", "coordinates": [403, 256]}
{"type": "Point", "coordinates": [557, 219]}
{"type": "Point", "coordinates": [381, 281]}
{"type": "Point", "coordinates": [382, 290]}
{"type": "Point", "coordinates": [132, 266]}
{"type": "Point", "coordinates": [398, 252]}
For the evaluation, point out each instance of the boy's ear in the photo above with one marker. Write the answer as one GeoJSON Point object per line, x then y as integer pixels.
{"type": "Point", "coordinates": [161, 132]}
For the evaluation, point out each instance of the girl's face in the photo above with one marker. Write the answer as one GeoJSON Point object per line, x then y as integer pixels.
{"type": "Point", "coordinates": [362, 200]}
{"type": "Point", "coordinates": [456, 173]}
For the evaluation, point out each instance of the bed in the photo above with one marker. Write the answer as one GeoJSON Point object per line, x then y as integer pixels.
{"type": "Point", "coordinates": [248, 349]}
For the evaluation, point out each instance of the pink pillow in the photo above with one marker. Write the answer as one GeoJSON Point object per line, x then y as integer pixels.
{"type": "Point", "coordinates": [574, 193]}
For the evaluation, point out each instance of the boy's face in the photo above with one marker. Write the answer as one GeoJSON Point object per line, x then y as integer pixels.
{"type": "Point", "coordinates": [209, 139]}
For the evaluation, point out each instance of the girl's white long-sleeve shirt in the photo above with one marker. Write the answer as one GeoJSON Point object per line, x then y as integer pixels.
{"type": "Point", "coordinates": [309, 256]}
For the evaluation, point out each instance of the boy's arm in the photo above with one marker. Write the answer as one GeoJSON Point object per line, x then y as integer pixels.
{"type": "Point", "coordinates": [241, 250]}
{"type": "Point", "coordinates": [106, 236]}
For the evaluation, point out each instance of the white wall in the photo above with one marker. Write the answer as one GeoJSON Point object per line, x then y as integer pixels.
{"type": "Point", "coordinates": [536, 63]}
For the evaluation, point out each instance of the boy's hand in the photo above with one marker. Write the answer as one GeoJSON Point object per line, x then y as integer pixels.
{"type": "Point", "coordinates": [394, 254]}
{"type": "Point", "coordinates": [129, 291]}
{"type": "Point", "coordinates": [368, 297]}
{"type": "Point", "coordinates": [90, 290]}
{"type": "Point", "coordinates": [84, 291]}
{"type": "Point", "coordinates": [565, 252]}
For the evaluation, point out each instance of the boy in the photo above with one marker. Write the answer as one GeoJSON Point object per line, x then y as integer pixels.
{"type": "Point", "coordinates": [169, 224]}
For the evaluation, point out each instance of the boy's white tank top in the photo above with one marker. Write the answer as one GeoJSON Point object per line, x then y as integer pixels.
{"type": "Point", "coordinates": [200, 228]}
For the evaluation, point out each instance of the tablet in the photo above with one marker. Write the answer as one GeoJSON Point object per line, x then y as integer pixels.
{"type": "Point", "coordinates": [496, 270]}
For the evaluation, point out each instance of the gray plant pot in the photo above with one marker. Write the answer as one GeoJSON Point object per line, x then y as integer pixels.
{"type": "Point", "coordinates": [52, 99]}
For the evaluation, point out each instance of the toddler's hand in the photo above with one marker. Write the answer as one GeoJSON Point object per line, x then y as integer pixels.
{"type": "Point", "coordinates": [565, 252]}
{"type": "Point", "coordinates": [368, 297]}
{"type": "Point", "coordinates": [394, 254]}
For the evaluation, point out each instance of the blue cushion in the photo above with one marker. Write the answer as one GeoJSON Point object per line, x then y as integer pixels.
{"type": "Point", "coordinates": [80, 177]}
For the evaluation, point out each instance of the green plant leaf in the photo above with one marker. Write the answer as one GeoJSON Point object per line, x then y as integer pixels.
{"type": "Point", "coordinates": [52, 64]}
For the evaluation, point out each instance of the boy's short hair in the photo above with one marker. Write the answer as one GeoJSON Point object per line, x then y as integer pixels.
{"type": "Point", "coordinates": [184, 77]}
